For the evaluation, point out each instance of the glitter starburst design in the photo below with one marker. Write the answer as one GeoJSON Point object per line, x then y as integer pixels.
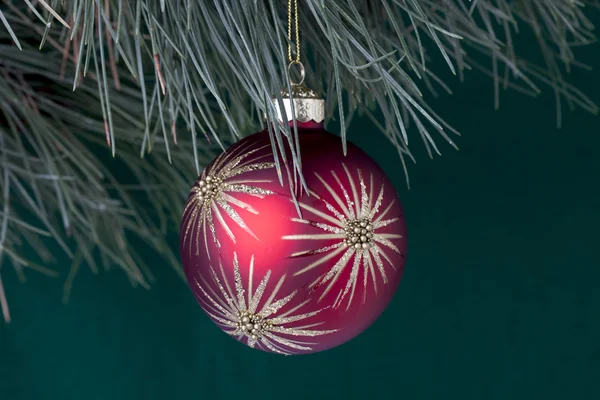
{"type": "Point", "coordinates": [355, 222]}
{"type": "Point", "coordinates": [260, 325]}
{"type": "Point", "coordinates": [215, 194]}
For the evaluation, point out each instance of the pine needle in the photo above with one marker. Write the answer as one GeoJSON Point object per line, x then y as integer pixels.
{"type": "Point", "coordinates": [10, 31]}
{"type": "Point", "coordinates": [54, 13]}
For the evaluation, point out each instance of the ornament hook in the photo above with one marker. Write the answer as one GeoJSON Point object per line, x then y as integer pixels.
{"type": "Point", "coordinates": [302, 73]}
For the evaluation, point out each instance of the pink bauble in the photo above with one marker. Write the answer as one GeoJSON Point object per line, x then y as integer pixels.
{"type": "Point", "coordinates": [289, 283]}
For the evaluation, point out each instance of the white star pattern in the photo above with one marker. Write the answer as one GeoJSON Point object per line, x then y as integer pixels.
{"type": "Point", "coordinates": [215, 193]}
{"type": "Point", "coordinates": [243, 316]}
{"type": "Point", "coordinates": [355, 221]}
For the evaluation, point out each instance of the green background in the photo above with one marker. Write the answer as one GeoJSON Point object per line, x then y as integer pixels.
{"type": "Point", "coordinates": [500, 297]}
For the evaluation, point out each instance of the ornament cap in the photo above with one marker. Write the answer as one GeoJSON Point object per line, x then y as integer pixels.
{"type": "Point", "coordinates": [308, 106]}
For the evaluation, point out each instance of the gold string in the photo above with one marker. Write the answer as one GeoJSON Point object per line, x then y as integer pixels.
{"type": "Point", "coordinates": [293, 17]}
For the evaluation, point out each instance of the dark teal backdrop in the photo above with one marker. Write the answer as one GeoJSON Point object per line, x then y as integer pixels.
{"type": "Point", "coordinates": [500, 298]}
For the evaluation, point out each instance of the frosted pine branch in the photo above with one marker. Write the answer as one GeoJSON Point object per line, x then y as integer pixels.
{"type": "Point", "coordinates": [181, 79]}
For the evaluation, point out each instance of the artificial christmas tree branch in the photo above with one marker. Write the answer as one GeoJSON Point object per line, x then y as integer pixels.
{"type": "Point", "coordinates": [181, 79]}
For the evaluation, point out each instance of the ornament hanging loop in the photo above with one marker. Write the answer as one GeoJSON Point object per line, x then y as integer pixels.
{"type": "Point", "coordinates": [299, 102]}
{"type": "Point", "coordinates": [302, 72]}
{"type": "Point", "coordinates": [293, 19]}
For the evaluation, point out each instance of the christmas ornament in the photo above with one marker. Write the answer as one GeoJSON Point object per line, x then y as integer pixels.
{"type": "Point", "coordinates": [337, 265]}
{"type": "Point", "coordinates": [336, 251]}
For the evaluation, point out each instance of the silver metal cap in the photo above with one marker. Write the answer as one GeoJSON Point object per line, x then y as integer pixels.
{"type": "Point", "coordinates": [308, 106]}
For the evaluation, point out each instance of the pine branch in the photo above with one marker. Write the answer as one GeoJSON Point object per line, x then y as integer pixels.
{"type": "Point", "coordinates": [57, 183]}
{"type": "Point", "coordinates": [181, 79]}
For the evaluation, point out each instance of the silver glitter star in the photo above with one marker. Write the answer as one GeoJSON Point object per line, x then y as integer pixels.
{"type": "Point", "coordinates": [354, 221]}
{"type": "Point", "coordinates": [216, 191]}
{"type": "Point", "coordinates": [240, 312]}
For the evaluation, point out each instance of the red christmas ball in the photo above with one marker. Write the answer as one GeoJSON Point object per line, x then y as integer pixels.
{"type": "Point", "coordinates": [286, 282]}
